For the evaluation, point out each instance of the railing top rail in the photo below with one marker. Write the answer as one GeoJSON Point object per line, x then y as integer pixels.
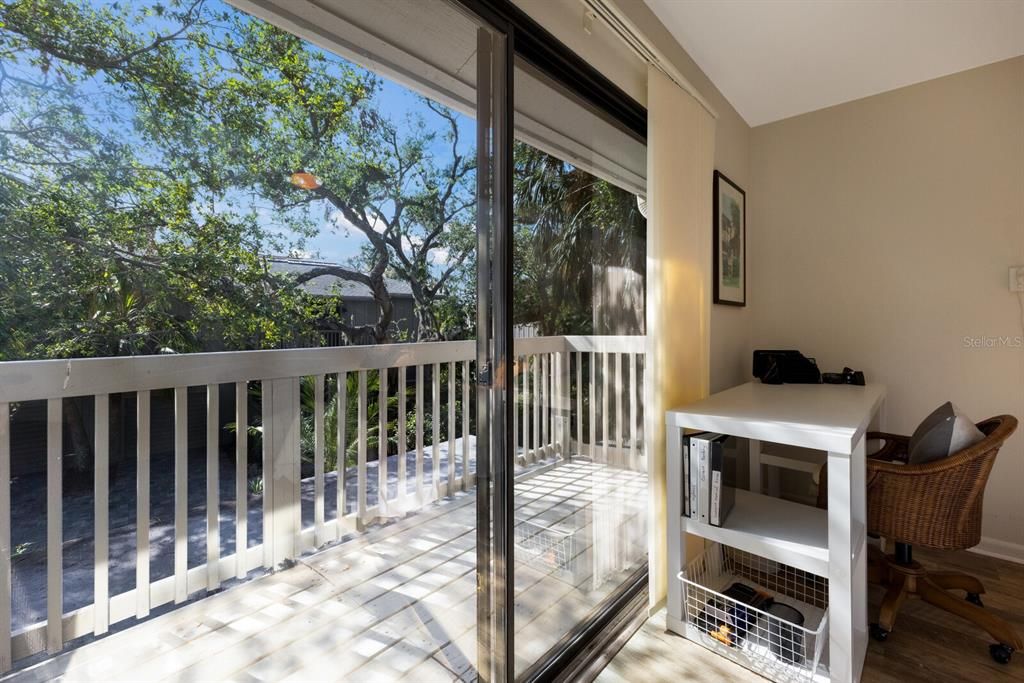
{"type": "Point", "coordinates": [43, 379]}
{"type": "Point", "coordinates": [605, 343]}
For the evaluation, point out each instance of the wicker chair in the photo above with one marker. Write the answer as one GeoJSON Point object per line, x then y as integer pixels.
{"type": "Point", "coordinates": [935, 505]}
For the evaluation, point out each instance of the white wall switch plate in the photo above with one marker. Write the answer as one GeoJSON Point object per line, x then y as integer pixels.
{"type": "Point", "coordinates": [1017, 278]}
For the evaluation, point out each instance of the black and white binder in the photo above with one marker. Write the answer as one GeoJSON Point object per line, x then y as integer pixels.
{"type": "Point", "coordinates": [721, 497]}
{"type": "Point", "coordinates": [695, 441]}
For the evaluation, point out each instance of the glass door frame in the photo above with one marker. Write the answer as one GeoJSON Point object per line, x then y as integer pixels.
{"type": "Point", "coordinates": [509, 32]}
{"type": "Point", "coordinates": [494, 486]}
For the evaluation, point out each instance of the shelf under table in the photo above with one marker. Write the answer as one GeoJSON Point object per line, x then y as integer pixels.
{"type": "Point", "coordinates": [780, 530]}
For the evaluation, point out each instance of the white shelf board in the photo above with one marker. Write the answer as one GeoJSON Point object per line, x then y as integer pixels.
{"type": "Point", "coordinates": [780, 530]}
{"type": "Point", "coordinates": [826, 417]}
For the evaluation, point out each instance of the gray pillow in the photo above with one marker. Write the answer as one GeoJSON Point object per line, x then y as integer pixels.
{"type": "Point", "coordinates": [944, 432]}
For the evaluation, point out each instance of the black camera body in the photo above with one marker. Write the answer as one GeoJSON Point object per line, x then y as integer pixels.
{"type": "Point", "coordinates": [785, 367]}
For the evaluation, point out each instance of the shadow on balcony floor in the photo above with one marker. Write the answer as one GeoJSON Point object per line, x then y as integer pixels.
{"type": "Point", "coordinates": [396, 602]}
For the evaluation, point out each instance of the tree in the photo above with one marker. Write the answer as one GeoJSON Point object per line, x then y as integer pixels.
{"type": "Point", "coordinates": [151, 157]}
{"type": "Point", "coordinates": [114, 241]}
{"type": "Point", "coordinates": [568, 222]}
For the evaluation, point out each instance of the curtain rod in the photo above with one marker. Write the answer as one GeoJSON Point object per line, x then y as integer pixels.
{"type": "Point", "coordinates": [634, 38]}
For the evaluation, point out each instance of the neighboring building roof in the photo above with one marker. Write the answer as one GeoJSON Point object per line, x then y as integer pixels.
{"type": "Point", "coordinates": [332, 285]}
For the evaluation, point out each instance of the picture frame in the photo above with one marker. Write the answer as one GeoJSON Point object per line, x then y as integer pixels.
{"type": "Point", "coordinates": [729, 212]}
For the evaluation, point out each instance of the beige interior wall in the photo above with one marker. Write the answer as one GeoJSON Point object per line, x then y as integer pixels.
{"type": "Point", "coordinates": [883, 231]}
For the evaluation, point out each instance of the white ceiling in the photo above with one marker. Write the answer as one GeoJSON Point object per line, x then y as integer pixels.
{"type": "Point", "coordinates": [778, 58]}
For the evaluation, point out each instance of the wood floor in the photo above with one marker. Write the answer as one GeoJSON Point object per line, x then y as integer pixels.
{"type": "Point", "coordinates": [926, 645]}
{"type": "Point", "coordinates": [395, 604]}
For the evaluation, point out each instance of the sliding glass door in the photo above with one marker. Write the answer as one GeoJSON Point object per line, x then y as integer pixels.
{"type": "Point", "coordinates": [421, 266]}
{"type": "Point", "coordinates": [579, 524]}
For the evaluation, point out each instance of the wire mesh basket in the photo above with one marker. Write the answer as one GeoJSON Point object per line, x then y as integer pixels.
{"type": "Point", "coordinates": [765, 616]}
{"type": "Point", "coordinates": [547, 546]}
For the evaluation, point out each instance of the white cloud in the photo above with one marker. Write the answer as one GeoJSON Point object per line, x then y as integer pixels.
{"type": "Point", "coordinates": [440, 256]}
{"type": "Point", "coordinates": [338, 220]}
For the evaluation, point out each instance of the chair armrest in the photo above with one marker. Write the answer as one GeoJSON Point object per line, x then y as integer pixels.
{"type": "Point", "coordinates": [894, 449]}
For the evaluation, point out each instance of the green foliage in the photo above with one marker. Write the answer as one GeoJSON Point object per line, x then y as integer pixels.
{"type": "Point", "coordinates": [307, 424]}
{"type": "Point", "coordinates": [256, 486]}
{"type": "Point", "coordinates": [147, 151]}
{"type": "Point", "coordinates": [567, 224]}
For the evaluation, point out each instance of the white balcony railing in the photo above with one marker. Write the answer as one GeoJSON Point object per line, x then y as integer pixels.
{"type": "Point", "coordinates": [575, 396]}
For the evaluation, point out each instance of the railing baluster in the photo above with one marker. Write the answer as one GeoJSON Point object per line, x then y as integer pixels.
{"type": "Point", "coordinates": [142, 421]}
{"type": "Point", "coordinates": [593, 406]}
{"type": "Point", "coordinates": [537, 410]}
{"type": "Point", "coordinates": [619, 431]}
{"type": "Point", "coordinates": [180, 494]}
{"type": "Point", "coordinates": [419, 436]}
{"type": "Point", "coordinates": [604, 408]}
{"type": "Point", "coordinates": [54, 527]}
{"type": "Point", "coordinates": [526, 410]}
{"type": "Point", "coordinates": [361, 419]}
{"type": "Point", "coordinates": [382, 442]}
{"type": "Point", "coordinates": [5, 537]}
{"type": "Point", "coordinates": [319, 534]}
{"type": "Point", "coordinates": [555, 402]}
{"type": "Point", "coordinates": [516, 393]}
{"type": "Point", "coordinates": [435, 421]}
{"type": "Point", "coordinates": [451, 427]}
{"type": "Point", "coordinates": [267, 415]}
{"type": "Point", "coordinates": [632, 411]}
{"type": "Point", "coordinates": [465, 425]}
{"type": "Point", "coordinates": [212, 487]}
{"type": "Point", "coordinates": [101, 522]}
{"type": "Point", "coordinates": [545, 404]}
{"type": "Point", "coordinates": [342, 451]}
{"type": "Point", "coordinates": [579, 403]}
{"type": "Point", "coordinates": [241, 478]}
{"type": "Point", "coordinates": [565, 404]}
{"type": "Point", "coordinates": [401, 390]}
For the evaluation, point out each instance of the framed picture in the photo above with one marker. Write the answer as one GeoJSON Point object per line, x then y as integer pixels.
{"type": "Point", "coordinates": [730, 235]}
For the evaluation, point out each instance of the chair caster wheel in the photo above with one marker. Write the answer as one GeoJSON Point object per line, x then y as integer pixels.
{"type": "Point", "coordinates": [1000, 653]}
{"type": "Point", "coordinates": [881, 635]}
{"type": "Point", "coordinates": [975, 599]}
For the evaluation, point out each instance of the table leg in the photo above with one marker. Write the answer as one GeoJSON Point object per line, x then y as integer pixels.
{"type": "Point", "coordinates": [847, 543]}
{"type": "Point", "coordinates": [754, 450]}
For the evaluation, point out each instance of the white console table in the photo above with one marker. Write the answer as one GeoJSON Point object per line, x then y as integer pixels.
{"type": "Point", "coordinates": [833, 544]}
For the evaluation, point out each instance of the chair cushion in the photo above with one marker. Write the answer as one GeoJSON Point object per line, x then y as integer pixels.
{"type": "Point", "coordinates": [946, 431]}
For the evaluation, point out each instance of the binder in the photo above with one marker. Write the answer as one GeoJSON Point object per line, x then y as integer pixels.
{"type": "Point", "coordinates": [686, 475]}
{"type": "Point", "coordinates": [721, 497]}
{"type": "Point", "coordinates": [703, 496]}
{"type": "Point", "coordinates": [695, 441]}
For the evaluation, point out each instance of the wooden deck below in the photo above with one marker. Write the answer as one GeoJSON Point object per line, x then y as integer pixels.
{"type": "Point", "coordinates": [396, 603]}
